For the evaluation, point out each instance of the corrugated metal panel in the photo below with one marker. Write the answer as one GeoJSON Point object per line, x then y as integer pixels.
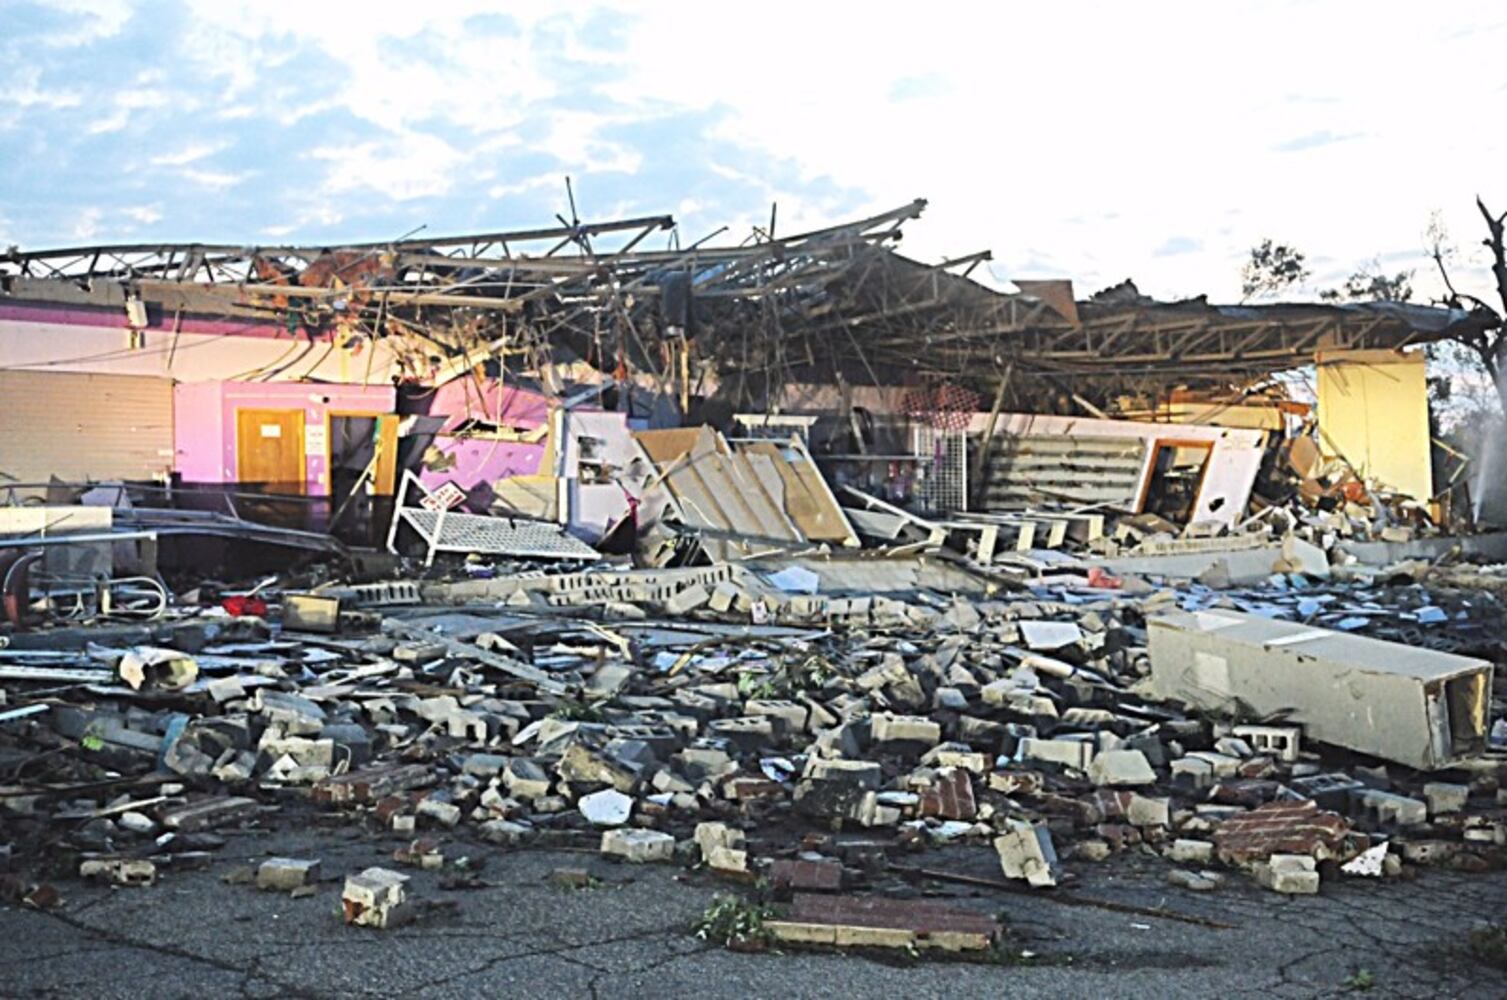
{"type": "Point", "coordinates": [80, 427]}
{"type": "Point", "coordinates": [1082, 470]}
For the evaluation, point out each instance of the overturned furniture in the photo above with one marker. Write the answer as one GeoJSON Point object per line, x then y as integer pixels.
{"type": "Point", "coordinates": [444, 529]}
{"type": "Point", "coordinates": [1413, 706]}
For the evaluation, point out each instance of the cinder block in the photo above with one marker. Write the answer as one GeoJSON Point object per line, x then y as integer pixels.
{"type": "Point", "coordinates": [1026, 852]}
{"type": "Point", "coordinates": [1445, 798]}
{"type": "Point", "coordinates": [286, 874]}
{"type": "Point", "coordinates": [1294, 874]}
{"type": "Point", "coordinates": [1075, 754]}
{"type": "Point", "coordinates": [375, 898]}
{"type": "Point", "coordinates": [638, 845]}
{"type": "Point", "coordinates": [887, 728]}
{"type": "Point", "coordinates": [1191, 851]}
{"type": "Point", "coordinates": [1120, 768]}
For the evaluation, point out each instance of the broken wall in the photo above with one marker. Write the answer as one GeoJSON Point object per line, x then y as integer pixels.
{"type": "Point", "coordinates": [1374, 413]}
{"type": "Point", "coordinates": [1234, 458]}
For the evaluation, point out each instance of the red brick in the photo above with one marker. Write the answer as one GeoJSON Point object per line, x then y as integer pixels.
{"type": "Point", "coordinates": [822, 876]}
{"type": "Point", "coordinates": [951, 796]}
{"type": "Point", "coordinates": [1280, 828]}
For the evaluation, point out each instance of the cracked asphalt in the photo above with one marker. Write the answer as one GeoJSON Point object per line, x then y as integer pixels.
{"type": "Point", "coordinates": [193, 935]}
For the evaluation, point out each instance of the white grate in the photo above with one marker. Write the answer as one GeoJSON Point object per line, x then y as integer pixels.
{"type": "Point", "coordinates": [945, 486]}
{"type": "Point", "coordinates": [454, 531]}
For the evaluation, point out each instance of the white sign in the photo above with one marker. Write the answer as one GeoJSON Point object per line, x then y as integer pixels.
{"type": "Point", "coordinates": [272, 430]}
{"type": "Point", "coordinates": [314, 439]}
{"type": "Point", "coordinates": [447, 497]}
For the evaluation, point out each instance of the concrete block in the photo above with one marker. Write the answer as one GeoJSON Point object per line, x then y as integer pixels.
{"type": "Point", "coordinates": [887, 728]}
{"type": "Point", "coordinates": [1026, 852]}
{"type": "Point", "coordinates": [957, 755]}
{"type": "Point", "coordinates": [1390, 809]}
{"type": "Point", "coordinates": [1075, 754]}
{"type": "Point", "coordinates": [375, 898]}
{"type": "Point", "coordinates": [120, 871]}
{"type": "Point", "coordinates": [1121, 768]}
{"type": "Point", "coordinates": [1193, 881]}
{"type": "Point", "coordinates": [1283, 742]}
{"type": "Point", "coordinates": [792, 715]}
{"type": "Point", "coordinates": [1445, 798]}
{"type": "Point", "coordinates": [1144, 810]}
{"type": "Point", "coordinates": [444, 813]}
{"type": "Point", "coordinates": [727, 859]}
{"type": "Point", "coordinates": [688, 600]}
{"type": "Point", "coordinates": [712, 836]}
{"type": "Point", "coordinates": [638, 846]}
{"type": "Point", "coordinates": [1186, 852]}
{"type": "Point", "coordinates": [287, 874]}
{"type": "Point", "coordinates": [1193, 772]}
{"type": "Point", "coordinates": [525, 779]}
{"type": "Point", "coordinates": [1294, 874]}
{"type": "Point", "coordinates": [858, 773]}
{"type": "Point", "coordinates": [609, 807]}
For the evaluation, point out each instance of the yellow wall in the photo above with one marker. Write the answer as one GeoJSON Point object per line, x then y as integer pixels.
{"type": "Point", "coordinates": [1374, 413]}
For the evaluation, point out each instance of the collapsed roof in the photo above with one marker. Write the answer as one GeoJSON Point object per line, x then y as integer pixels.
{"type": "Point", "coordinates": [762, 313]}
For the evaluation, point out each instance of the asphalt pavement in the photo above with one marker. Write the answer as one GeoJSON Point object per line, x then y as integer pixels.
{"type": "Point", "coordinates": [515, 932]}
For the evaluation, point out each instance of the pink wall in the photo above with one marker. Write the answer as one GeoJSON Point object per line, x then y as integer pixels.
{"type": "Point", "coordinates": [199, 433]}
{"type": "Point", "coordinates": [478, 461]}
{"type": "Point", "coordinates": [204, 421]}
{"type": "Point", "coordinates": [468, 398]}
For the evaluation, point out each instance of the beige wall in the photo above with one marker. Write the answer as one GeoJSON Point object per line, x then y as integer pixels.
{"type": "Point", "coordinates": [1374, 413]}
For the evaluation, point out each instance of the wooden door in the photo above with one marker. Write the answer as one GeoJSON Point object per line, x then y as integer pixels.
{"type": "Point", "coordinates": [269, 449]}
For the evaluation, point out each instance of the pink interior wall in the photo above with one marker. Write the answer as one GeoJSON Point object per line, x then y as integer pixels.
{"type": "Point", "coordinates": [478, 461]}
{"type": "Point", "coordinates": [198, 432]}
{"type": "Point", "coordinates": [467, 398]}
{"type": "Point", "coordinates": [205, 423]}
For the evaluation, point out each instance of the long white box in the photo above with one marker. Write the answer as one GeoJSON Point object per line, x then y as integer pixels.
{"type": "Point", "coordinates": [1413, 706]}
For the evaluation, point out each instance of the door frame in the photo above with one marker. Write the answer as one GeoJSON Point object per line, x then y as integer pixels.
{"type": "Point", "coordinates": [385, 476]}
{"type": "Point", "coordinates": [1158, 445]}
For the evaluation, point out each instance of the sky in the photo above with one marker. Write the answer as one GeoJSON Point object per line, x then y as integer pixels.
{"type": "Point", "coordinates": [1091, 141]}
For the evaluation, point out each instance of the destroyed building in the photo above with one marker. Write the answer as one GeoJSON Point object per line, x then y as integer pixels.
{"type": "Point", "coordinates": [718, 553]}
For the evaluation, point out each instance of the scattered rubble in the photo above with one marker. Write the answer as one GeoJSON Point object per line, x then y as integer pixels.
{"type": "Point", "coordinates": [797, 715]}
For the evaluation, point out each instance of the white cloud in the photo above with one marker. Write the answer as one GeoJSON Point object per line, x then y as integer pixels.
{"type": "Point", "coordinates": [86, 223]}
{"type": "Point", "coordinates": [1056, 112]}
{"type": "Point", "coordinates": [215, 180]}
{"type": "Point", "coordinates": [125, 104]}
{"type": "Point", "coordinates": [91, 20]}
{"type": "Point", "coordinates": [144, 214]}
{"type": "Point", "coordinates": [409, 166]}
{"type": "Point", "coordinates": [24, 93]}
{"type": "Point", "coordinates": [185, 155]}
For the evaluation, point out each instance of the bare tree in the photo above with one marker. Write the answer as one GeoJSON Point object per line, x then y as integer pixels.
{"type": "Point", "coordinates": [1487, 344]}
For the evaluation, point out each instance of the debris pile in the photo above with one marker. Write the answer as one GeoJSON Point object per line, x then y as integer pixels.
{"type": "Point", "coordinates": [741, 717]}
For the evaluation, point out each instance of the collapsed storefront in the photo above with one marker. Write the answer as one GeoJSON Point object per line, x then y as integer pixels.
{"type": "Point", "coordinates": [643, 547]}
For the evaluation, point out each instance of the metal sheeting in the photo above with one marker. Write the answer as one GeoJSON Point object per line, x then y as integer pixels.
{"type": "Point", "coordinates": [747, 498]}
{"type": "Point", "coordinates": [84, 427]}
{"type": "Point", "coordinates": [1027, 470]}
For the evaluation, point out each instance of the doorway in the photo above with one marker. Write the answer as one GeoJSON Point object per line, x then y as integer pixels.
{"type": "Point", "coordinates": [269, 450]}
{"type": "Point", "coordinates": [1177, 474]}
{"type": "Point", "coordinates": [363, 451]}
